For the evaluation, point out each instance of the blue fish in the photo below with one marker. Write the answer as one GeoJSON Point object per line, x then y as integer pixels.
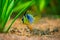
{"type": "Point", "coordinates": [29, 17]}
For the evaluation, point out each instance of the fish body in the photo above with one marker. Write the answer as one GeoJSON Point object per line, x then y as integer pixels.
{"type": "Point", "coordinates": [28, 19]}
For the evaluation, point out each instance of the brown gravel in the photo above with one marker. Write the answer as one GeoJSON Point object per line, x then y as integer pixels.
{"type": "Point", "coordinates": [42, 24]}
{"type": "Point", "coordinates": [16, 37]}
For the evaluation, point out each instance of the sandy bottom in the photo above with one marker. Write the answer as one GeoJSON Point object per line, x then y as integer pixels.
{"type": "Point", "coordinates": [16, 37]}
{"type": "Point", "coordinates": [18, 30]}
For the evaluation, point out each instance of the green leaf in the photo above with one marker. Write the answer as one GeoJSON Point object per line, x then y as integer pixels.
{"type": "Point", "coordinates": [40, 4]}
{"type": "Point", "coordinates": [8, 13]}
{"type": "Point", "coordinates": [20, 6]}
{"type": "Point", "coordinates": [28, 4]}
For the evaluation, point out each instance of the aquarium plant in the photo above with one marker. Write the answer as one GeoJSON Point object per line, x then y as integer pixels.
{"type": "Point", "coordinates": [7, 7]}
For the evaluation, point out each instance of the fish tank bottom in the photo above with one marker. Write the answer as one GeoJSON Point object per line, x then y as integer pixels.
{"type": "Point", "coordinates": [16, 37]}
{"type": "Point", "coordinates": [19, 31]}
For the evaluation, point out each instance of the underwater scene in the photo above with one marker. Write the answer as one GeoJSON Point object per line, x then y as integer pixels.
{"type": "Point", "coordinates": [29, 19]}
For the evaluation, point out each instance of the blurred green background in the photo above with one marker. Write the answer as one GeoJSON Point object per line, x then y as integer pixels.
{"type": "Point", "coordinates": [40, 8]}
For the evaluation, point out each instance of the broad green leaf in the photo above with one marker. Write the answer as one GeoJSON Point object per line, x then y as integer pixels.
{"type": "Point", "coordinates": [40, 4]}
{"type": "Point", "coordinates": [19, 7]}
{"type": "Point", "coordinates": [4, 9]}
{"type": "Point", "coordinates": [0, 8]}
{"type": "Point", "coordinates": [9, 12]}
